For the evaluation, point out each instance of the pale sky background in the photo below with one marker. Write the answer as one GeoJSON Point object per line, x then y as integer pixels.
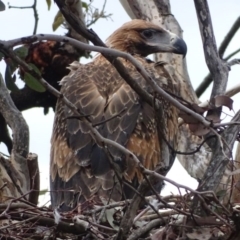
{"type": "Point", "coordinates": [15, 23]}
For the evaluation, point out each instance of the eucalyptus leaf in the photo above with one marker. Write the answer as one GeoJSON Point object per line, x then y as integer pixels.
{"type": "Point", "coordinates": [22, 52]}
{"type": "Point", "coordinates": [32, 82]}
{"type": "Point", "coordinates": [85, 5]}
{"type": "Point", "coordinates": [58, 20]}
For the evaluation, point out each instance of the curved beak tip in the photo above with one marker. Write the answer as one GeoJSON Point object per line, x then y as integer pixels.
{"type": "Point", "coordinates": [180, 47]}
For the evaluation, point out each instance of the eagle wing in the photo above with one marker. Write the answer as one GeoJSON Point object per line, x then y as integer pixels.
{"type": "Point", "coordinates": [80, 167]}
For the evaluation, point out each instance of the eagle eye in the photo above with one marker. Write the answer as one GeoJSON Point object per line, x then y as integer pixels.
{"type": "Point", "coordinates": [149, 33]}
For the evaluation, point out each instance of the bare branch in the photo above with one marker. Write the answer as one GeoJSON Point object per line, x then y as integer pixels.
{"type": "Point", "coordinates": [204, 85]}
{"type": "Point", "coordinates": [219, 161]}
{"type": "Point", "coordinates": [208, 79]}
{"type": "Point", "coordinates": [218, 69]}
{"type": "Point", "coordinates": [35, 13]}
{"type": "Point", "coordinates": [233, 62]}
{"type": "Point", "coordinates": [233, 91]}
{"type": "Point", "coordinates": [228, 38]}
{"type": "Point", "coordinates": [231, 55]}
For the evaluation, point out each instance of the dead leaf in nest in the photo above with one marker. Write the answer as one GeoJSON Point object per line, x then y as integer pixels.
{"type": "Point", "coordinates": [109, 213]}
{"type": "Point", "coordinates": [198, 129]}
{"type": "Point", "coordinates": [198, 109]}
{"type": "Point", "coordinates": [112, 215]}
{"type": "Point", "coordinates": [222, 100]}
{"type": "Point", "coordinates": [214, 118]}
{"type": "Point", "coordinates": [200, 234]}
{"type": "Point", "coordinates": [164, 233]}
{"type": "Point", "coordinates": [189, 118]}
{"type": "Point", "coordinates": [203, 233]}
{"type": "Point", "coordinates": [159, 234]}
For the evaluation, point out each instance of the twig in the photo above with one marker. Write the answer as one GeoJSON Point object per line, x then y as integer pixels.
{"type": "Point", "coordinates": [35, 13]}
{"type": "Point", "coordinates": [143, 230]}
{"type": "Point", "coordinates": [208, 79]}
{"type": "Point", "coordinates": [214, 176]}
{"type": "Point", "coordinates": [96, 16]}
{"type": "Point", "coordinates": [229, 37]}
{"type": "Point", "coordinates": [233, 62]}
{"type": "Point", "coordinates": [110, 118]}
{"type": "Point", "coordinates": [231, 55]}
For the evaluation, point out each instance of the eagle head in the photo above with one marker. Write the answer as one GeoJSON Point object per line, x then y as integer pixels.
{"type": "Point", "coordinates": [144, 38]}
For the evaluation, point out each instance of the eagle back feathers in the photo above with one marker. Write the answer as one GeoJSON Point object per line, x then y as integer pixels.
{"type": "Point", "coordinates": [80, 168]}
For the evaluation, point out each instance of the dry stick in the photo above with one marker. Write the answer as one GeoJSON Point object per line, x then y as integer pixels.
{"type": "Point", "coordinates": [231, 55]}
{"type": "Point", "coordinates": [125, 202]}
{"type": "Point", "coordinates": [234, 62]}
{"type": "Point", "coordinates": [143, 230]}
{"type": "Point", "coordinates": [168, 205]}
{"type": "Point", "coordinates": [208, 79]}
{"type": "Point", "coordinates": [49, 222]}
{"type": "Point", "coordinates": [198, 194]}
{"type": "Point", "coordinates": [178, 185]}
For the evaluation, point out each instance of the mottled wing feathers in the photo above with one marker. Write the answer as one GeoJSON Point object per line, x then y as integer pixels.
{"type": "Point", "coordinates": [101, 103]}
{"type": "Point", "coordinates": [99, 93]}
{"type": "Point", "coordinates": [97, 90]}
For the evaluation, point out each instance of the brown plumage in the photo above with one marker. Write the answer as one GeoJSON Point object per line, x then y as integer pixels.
{"type": "Point", "coordinates": [79, 168]}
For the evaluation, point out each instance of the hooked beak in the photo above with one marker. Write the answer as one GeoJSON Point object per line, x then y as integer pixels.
{"type": "Point", "coordinates": [178, 45]}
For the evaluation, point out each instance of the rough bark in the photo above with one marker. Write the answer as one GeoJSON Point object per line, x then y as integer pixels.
{"type": "Point", "coordinates": [14, 173]}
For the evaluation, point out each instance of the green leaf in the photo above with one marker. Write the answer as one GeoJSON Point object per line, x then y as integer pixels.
{"type": "Point", "coordinates": [22, 52]}
{"type": "Point", "coordinates": [32, 82]}
{"type": "Point", "coordinates": [2, 6]}
{"type": "Point", "coordinates": [10, 80]}
{"type": "Point", "coordinates": [49, 3]}
{"type": "Point", "coordinates": [85, 5]}
{"type": "Point", "coordinates": [58, 20]}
